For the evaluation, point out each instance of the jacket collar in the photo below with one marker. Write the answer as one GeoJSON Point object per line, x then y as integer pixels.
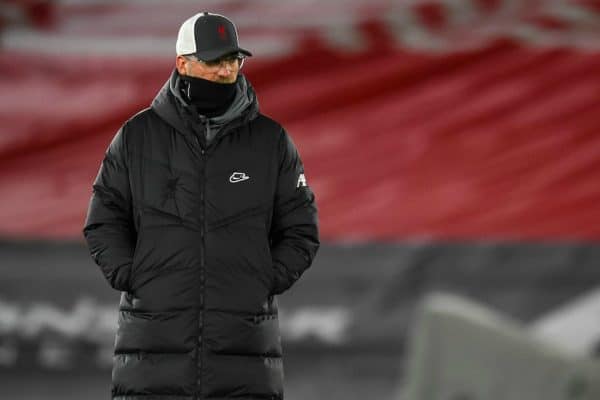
{"type": "Point", "coordinates": [171, 106]}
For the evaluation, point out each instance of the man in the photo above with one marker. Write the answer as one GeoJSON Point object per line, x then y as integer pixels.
{"type": "Point", "coordinates": [200, 215]}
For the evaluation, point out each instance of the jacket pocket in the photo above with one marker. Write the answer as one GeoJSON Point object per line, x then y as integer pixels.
{"type": "Point", "coordinates": [241, 333]}
{"type": "Point", "coordinates": [134, 260]}
{"type": "Point", "coordinates": [269, 267]}
{"type": "Point", "coordinates": [156, 331]}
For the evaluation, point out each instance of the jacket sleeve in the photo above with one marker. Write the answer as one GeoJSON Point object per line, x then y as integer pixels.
{"type": "Point", "coordinates": [294, 230]}
{"type": "Point", "coordinates": [109, 230]}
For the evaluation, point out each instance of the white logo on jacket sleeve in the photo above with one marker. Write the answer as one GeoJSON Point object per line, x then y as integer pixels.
{"type": "Point", "coordinates": [301, 181]}
{"type": "Point", "coordinates": [238, 177]}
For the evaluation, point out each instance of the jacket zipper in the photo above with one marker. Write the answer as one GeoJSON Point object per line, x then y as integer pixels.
{"type": "Point", "coordinates": [200, 361]}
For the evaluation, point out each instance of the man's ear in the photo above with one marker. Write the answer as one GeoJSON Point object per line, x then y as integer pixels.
{"type": "Point", "coordinates": [180, 63]}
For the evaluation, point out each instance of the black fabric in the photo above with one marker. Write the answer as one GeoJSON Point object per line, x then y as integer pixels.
{"type": "Point", "coordinates": [208, 97]}
{"type": "Point", "coordinates": [198, 255]}
{"type": "Point", "coordinates": [215, 36]}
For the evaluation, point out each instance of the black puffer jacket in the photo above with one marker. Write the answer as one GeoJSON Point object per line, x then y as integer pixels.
{"type": "Point", "coordinates": [200, 236]}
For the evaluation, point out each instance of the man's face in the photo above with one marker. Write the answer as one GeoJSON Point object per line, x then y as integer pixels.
{"type": "Point", "coordinates": [223, 70]}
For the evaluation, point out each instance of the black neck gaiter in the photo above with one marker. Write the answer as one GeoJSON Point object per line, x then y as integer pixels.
{"type": "Point", "coordinates": [209, 98]}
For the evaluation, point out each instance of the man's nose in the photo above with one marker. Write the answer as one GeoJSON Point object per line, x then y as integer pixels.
{"type": "Point", "coordinates": [225, 69]}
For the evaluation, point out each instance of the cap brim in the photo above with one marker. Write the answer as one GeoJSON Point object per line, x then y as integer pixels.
{"type": "Point", "coordinates": [210, 55]}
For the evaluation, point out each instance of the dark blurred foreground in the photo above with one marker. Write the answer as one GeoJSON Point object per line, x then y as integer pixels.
{"type": "Point", "coordinates": [345, 325]}
{"type": "Point", "coordinates": [308, 376]}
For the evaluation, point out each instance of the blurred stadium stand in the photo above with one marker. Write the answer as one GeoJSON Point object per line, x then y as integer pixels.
{"type": "Point", "coordinates": [462, 351]}
{"type": "Point", "coordinates": [452, 145]}
{"type": "Point", "coordinates": [427, 141]}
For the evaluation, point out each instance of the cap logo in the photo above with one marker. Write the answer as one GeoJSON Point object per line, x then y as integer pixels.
{"type": "Point", "coordinates": [222, 32]}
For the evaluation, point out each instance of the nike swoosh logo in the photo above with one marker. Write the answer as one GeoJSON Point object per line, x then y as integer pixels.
{"type": "Point", "coordinates": [238, 177]}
